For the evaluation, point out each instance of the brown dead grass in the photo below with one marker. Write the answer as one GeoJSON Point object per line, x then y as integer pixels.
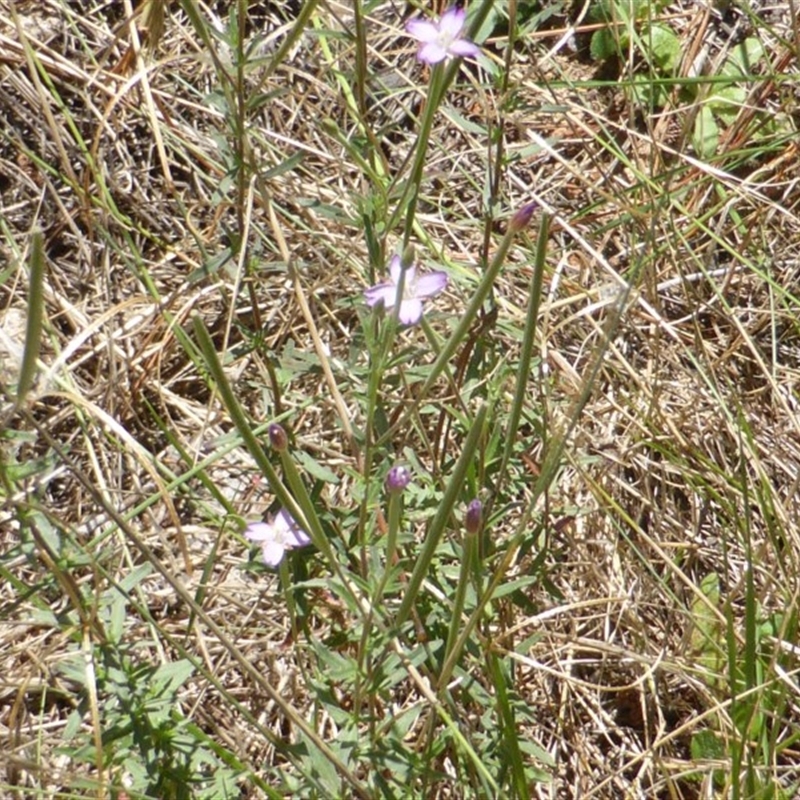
{"type": "Point", "coordinates": [124, 179]}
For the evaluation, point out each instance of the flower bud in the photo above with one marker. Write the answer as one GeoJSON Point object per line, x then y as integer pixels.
{"type": "Point", "coordinates": [474, 518]}
{"type": "Point", "coordinates": [521, 218]}
{"type": "Point", "coordinates": [397, 479]}
{"type": "Point", "coordinates": [277, 437]}
{"type": "Point", "coordinates": [407, 259]}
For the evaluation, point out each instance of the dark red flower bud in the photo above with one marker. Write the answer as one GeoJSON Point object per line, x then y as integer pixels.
{"type": "Point", "coordinates": [277, 437]}
{"type": "Point", "coordinates": [521, 218]}
{"type": "Point", "coordinates": [474, 518]}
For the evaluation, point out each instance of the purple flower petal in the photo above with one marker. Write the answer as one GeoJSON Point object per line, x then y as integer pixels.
{"type": "Point", "coordinates": [522, 217]}
{"type": "Point", "coordinates": [385, 293]}
{"type": "Point", "coordinates": [396, 269]}
{"type": "Point", "coordinates": [398, 478]}
{"type": "Point", "coordinates": [415, 290]}
{"type": "Point", "coordinates": [452, 21]}
{"type": "Point", "coordinates": [422, 30]}
{"type": "Point", "coordinates": [474, 516]}
{"type": "Point", "coordinates": [410, 311]}
{"type": "Point", "coordinates": [293, 534]}
{"type": "Point", "coordinates": [463, 47]}
{"type": "Point", "coordinates": [432, 53]}
{"type": "Point", "coordinates": [272, 553]}
{"type": "Point", "coordinates": [430, 284]}
{"type": "Point", "coordinates": [258, 531]}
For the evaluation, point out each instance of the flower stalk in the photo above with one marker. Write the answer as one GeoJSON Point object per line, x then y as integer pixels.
{"type": "Point", "coordinates": [469, 554]}
{"type": "Point", "coordinates": [396, 481]}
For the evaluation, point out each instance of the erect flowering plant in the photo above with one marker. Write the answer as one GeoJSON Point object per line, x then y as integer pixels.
{"type": "Point", "coordinates": [416, 288]}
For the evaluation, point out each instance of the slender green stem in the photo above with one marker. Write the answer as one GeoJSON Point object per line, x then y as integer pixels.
{"type": "Point", "coordinates": [468, 556]}
{"type": "Point", "coordinates": [394, 519]}
{"type": "Point", "coordinates": [442, 76]}
{"type": "Point", "coordinates": [33, 328]}
{"type": "Point", "coordinates": [443, 515]}
{"type": "Point", "coordinates": [435, 91]}
{"type": "Point", "coordinates": [521, 390]}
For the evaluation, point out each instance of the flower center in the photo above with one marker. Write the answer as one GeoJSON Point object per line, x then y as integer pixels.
{"type": "Point", "coordinates": [445, 39]}
{"type": "Point", "coordinates": [409, 288]}
{"type": "Point", "coordinates": [408, 278]}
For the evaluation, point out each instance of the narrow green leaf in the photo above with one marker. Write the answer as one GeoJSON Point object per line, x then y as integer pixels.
{"type": "Point", "coordinates": [33, 332]}
{"type": "Point", "coordinates": [169, 677]}
{"type": "Point", "coordinates": [314, 468]}
{"type": "Point", "coordinates": [509, 730]}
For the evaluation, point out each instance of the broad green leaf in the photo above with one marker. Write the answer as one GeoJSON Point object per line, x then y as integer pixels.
{"type": "Point", "coordinates": [665, 47]}
{"type": "Point", "coordinates": [727, 101]}
{"type": "Point", "coordinates": [743, 58]}
{"type": "Point", "coordinates": [705, 136]}
{"type": "Point", "coordinates": [603, 45]}
{"type": "Point", "coordinates": [706, 637]}
{"type": "Point", "coordinates": [706, 745]}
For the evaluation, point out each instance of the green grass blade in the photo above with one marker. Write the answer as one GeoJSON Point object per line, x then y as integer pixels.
{"type": "Point", "coordinates": [33, 330]}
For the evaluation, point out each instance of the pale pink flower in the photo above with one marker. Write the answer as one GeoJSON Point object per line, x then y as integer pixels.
{"type": "Point", "coordinates": [276, 537]}
{"type": "Point", "coordinates": [442, 39]}
{"type": "Point", "coordinates": [415, 290]}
